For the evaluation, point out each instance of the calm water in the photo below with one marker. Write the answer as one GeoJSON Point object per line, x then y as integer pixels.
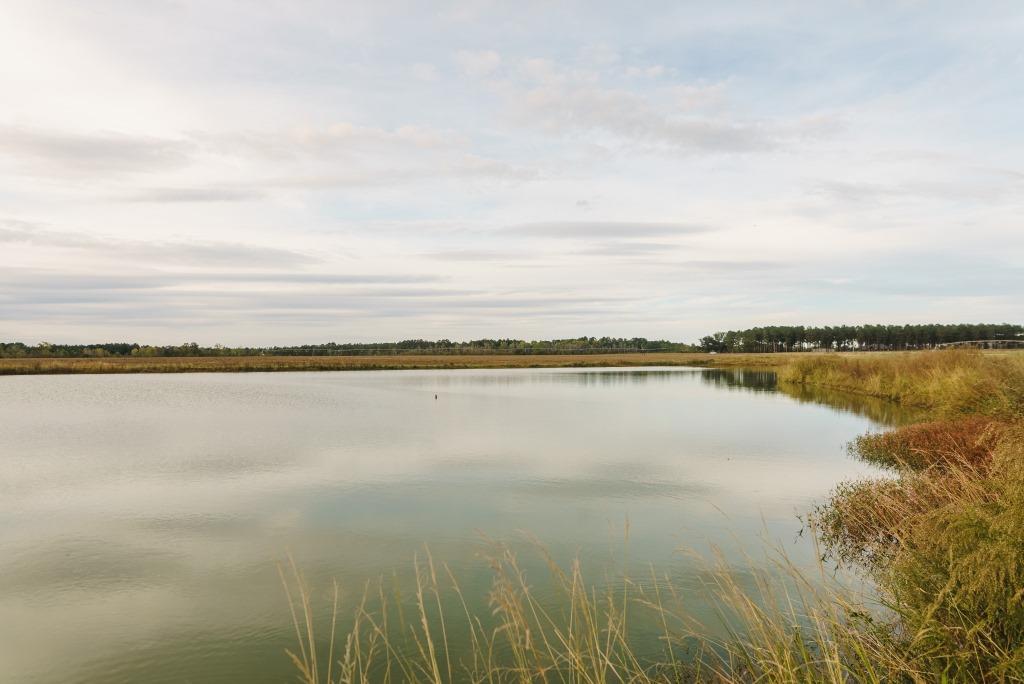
{"type": "Point", "coordinates": [142, 517]}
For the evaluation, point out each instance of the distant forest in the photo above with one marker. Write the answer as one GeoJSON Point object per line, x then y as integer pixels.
{"type": "Point", "coordinates": [577, 345]}
{"type": "Point", "coordinates": [763, 339]}
{"type": "Point", "coordinates": [856, 337]}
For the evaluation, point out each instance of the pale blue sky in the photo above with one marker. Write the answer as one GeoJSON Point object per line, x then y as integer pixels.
{"type": "Point", "coordinates": [286, 172]}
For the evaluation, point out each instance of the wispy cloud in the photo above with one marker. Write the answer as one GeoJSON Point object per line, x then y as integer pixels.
{"type": "Point", "coordinates": [576, 230]}
{"type": "Point", "coordinates": [212, 194]}
{"type": "Point", "coordinates": [633, 118]}
{"type": "Point", "coordinates": [156, 252]}
{"type": "Point", "coordinates": [628, 249]}
{"type": "Point", "coordinates": [62, 152]}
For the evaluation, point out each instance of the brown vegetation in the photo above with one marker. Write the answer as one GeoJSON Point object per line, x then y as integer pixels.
{"type": "Point", "coordinates": [966, 442]}
{"type": "Point", "coordinates": [236, 364]}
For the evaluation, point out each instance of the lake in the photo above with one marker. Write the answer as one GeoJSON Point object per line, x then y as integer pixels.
{"type": "Point", "coordinates": [142, 517]}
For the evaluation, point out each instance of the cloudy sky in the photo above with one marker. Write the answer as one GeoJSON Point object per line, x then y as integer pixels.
{"type": "Point", "coordinates": [288, 172]}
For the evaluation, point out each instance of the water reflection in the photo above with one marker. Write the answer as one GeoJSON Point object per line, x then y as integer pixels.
{"type": "Point", "coordinates": [141, 516]}
{"type": "Point", "coordinates": [557, 376]}
{"type": "Point", "coordinates": [878, 410]}
{"type": "Point", "coordinates": [760, 380]}
{"type": "Point", "coordinates": [756, 380]}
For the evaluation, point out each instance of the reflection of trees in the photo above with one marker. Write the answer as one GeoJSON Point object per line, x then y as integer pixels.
{"type": "Point", "coordinates": [587, 378]}
{"type": "Point", "coordinates": [741, 379]}
{"type": "Point", "coordinates": [753, 380]}
{"type": "Point", "coordinates": [629, 377]}
{"type": "Point", "coordinates": [879, 410]}
{"type": "Point", "coordinates": [730, 379]}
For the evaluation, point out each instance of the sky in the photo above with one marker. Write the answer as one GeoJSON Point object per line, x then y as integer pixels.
{"type": "Point", "coordinates": [291, 172]}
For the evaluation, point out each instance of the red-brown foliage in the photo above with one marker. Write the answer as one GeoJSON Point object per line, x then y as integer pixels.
{"type": "Point", "coordinates": [963, 442]}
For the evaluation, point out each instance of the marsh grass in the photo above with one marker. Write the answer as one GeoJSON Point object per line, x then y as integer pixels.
{"type": "Point", "coordinates": [949, 383]}
{"type": "Point", "coordinates": [266, 364]}
{"type": "Point", "coordinates": [966, 443]}
{"type": "Point", "coordinates": [944, 543]}
{"type": "Point", "coordinates": [769, 623]}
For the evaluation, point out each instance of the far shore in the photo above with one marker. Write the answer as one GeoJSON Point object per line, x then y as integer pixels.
{"type": "Point", "coordinates": [242, 364]}
{"type": "Point", "coordinates": [267, 364]}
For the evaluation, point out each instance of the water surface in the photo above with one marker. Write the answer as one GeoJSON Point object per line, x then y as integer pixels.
{"type": "Point", "coordinates": [142, 516]}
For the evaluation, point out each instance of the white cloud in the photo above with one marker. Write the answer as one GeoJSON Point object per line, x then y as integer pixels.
{"type": "Point", "coordinates": [477, 64]}
{"type": "Point", "coordinates": [73, 152]}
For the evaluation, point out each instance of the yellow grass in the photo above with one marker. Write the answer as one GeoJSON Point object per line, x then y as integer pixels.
{"type": "Point", "coordinates": [218, 364]}
{"type": "Point", "coordinates": [951, 382]}
{"type": "Point", "coordinates": [774, 625]}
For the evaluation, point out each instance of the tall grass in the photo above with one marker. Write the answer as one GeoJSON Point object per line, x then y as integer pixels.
{"type": "Point", "coordinates": [967, 442]}
{"type": "Point", "coordinates": [946, 548]}
{"type": "Point", "coordinates": [775, 625]}
{"type": "Point", "coordinates": [944, 540]}
{"type": "Point", "coordinates": [950, 382]}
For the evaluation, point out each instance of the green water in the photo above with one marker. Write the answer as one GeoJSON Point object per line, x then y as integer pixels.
{"type": "Point", "coordinates": [142, 517]}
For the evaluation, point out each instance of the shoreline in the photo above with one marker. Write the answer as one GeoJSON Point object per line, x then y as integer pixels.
{"type": "Point", "coordinates": [265, 364]}
{"type": "Point", "coordinates": [284, 364]}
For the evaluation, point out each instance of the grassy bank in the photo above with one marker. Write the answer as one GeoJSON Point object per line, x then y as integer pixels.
{"type": "Point", "coordinates": [953, 382]}
{"type": "Point", "coordinates": [942, 539]}
{"type": "Point", "coordinates": [242, 364]}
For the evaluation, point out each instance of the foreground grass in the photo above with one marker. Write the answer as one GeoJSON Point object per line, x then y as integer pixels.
{"type": "Point", "coordinates": [241, 364]}
{"type": "Point", "coordinates": [943, 542]}
{"type": "Point", "coordinates": [775, 625]}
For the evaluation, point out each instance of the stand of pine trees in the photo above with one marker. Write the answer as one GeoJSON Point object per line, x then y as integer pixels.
{"type": "Point", "coordinates": [779, 338]}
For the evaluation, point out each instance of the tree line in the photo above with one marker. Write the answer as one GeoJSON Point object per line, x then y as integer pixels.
{"type": "Point", "coordinates": [760, 339]}
{"type": "Point", "coordinates": [856, 337]}
{"type": "Point", "coordinates": [576, 345]}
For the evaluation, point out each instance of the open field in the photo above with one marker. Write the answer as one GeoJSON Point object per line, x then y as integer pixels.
{"type": "Point", "coordinates": [229, 364]}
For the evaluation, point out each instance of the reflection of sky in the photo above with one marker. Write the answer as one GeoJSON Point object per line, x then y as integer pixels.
{"type": "Point", "coordinates": [136, 507]}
